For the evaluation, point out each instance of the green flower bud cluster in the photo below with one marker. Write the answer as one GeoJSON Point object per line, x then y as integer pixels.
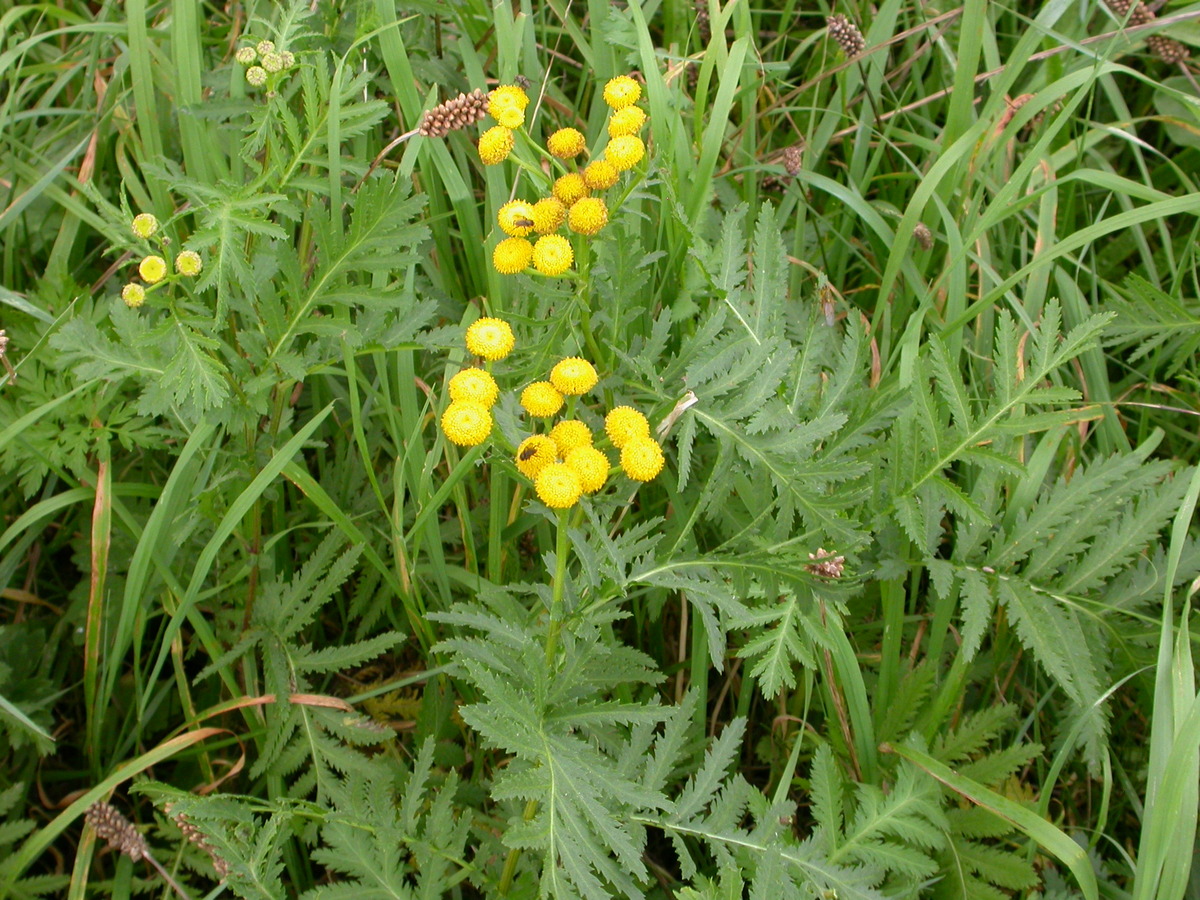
{"type": "Point", "coordinates": [265, 65]}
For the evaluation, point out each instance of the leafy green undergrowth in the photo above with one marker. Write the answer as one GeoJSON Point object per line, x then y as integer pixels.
{"type": "Point", "coordinates": [893, 600]}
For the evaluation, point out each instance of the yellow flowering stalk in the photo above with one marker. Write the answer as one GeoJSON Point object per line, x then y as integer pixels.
{"type": "Point", "coordinates": [548, 214]}
{"type": "Point", "coordinates": [626, 121]}
{"type": "Point", "coordinates": [573, 376]}
{"type": "Point", "coordinates": [516, 218]}
{"type": "Point", "coordinates": [534, 454]}
{"type": "Point", "coordinates": [541, 399]}
{"type": "Point", "coordinates": [495, 144]}
{"type": "Point", "coordinates": [566, 143]}
{"type": "Point", "coordinates": [153, 269]}
{"type": "Point", "coordinates": [569, 434]}
{"type": "Point", "coordinates": [642, 458]}
{"type": "Point", "coordinates": [600, 175]}
{"type": "Point", "coordinates": [623, 424]}
{"type": "Point", "coordinates": [590, 465]}
{"type": "Point", "coordinates": [621, 92]}
{"type": "Point", "coordinates": [490, 338]}
{"type": "Point", "coordinates": [512, 255]}
{"type": "Point", "coordinates": [467, 424]}
{"type": "Point", "coordinates": [474, 385]}
{"type": "Point", "coordinates": [552, 254]}
{"type": "Point", "coordinates": [588, 216]}
{"type": "Point", "coordinates": [625, 152]}
{"type": "Point", "coordinates": [570, 188]}
{"type": "Point", "coordinates": [558, 486]}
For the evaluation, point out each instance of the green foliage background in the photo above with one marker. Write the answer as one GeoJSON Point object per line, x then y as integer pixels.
{"type": "Point", "coordinates": [247, 586]}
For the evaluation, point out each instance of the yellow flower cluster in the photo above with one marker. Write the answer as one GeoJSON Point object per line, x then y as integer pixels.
{"type": "Point", "coordinates": [467, 420]}
{"type": "Point", "coordinates": [564, 463]}
{"type": "Point", "coordinates": [152, 268]}
{"type": "Point", "coordinates": [573, 199]}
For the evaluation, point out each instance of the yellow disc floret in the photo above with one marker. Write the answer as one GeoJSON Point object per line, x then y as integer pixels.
{"type": "Point", "coordinates": [573, 376]}
{"type": "Point", "coordinates": [144, 225]}
{"type": "Point", "coordinates": [625, 152]}
{"type": "Point", "coordinates": [623, 423]}
{"type": "Point", "coordinates": [600, 174]}
{"type": "Point", "coordinates": [467, 424]}
{"type": "Point", "coordinates": [490, 338]}
{"type": "Point", "coordinates": [552, 254]}
{"type": "Point", "coordinates": [534, 454]}
{"type": "Point", "coordinates": [558, 486]}
{"type": "Point", "coordinates": [189, 263]}
{"type": "Point", "coordinates": [548, 214]}
{"type": "Point", "coordinates": [474, 385]}
{"type": "Point", "coordinates": [507, 96]}
{"type": "Point", "coordinates": [642, 458]}
{"type": "Point", "coordinates": [569, 188]}
{"type": "Point", "coordinates": [511, 117]}
{"type": "Point", "coordinates": [516, 218]}
{"type": "Point", "coordinates": [512, 255]}
{"type": "Point", "coordinates": [588, 215]}
{"type": "Point", "coordinates": [590, 465]}
{"type": "Point", "coordinates": [134, 295]}
{"type": "Point", "coordinates": [566, 143]}
{"type": "Point", "coordinates": [495, 144]}
{"type": "Point", "coordinates": [626, 121]}
{"type": "Point", "coordinates": [621, 92]}
{"type": "Point", "coordinates": [569, 434]}
{"type": "Point", "coordinates": [152, 269]}
{"type": "Point", "coordinates": [541, 399]}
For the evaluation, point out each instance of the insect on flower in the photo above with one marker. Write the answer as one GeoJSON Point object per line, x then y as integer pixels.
{"type": "Point", "coordinates": [528, 453]}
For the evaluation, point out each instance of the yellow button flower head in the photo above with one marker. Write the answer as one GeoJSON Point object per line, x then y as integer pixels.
{"type": "Point", "coordinates": [600, 175]}
{"type": "Point", "coordinates": [144, 225]}
{"type": "Point", "coordinates": [548, 214]}
{"type": "Point", "coordinates": [573, 376]}
{"type": "Point", "coordinates": [626, 121]}
{"type": "Point", "coordinates": [516, 218]}
{"type": "Point", "coordinates": [541, 399]}
{"type": "Point", "coordinates": [588, 215]}
{"type": "Point", "coordinates": [495, 144]}
{"type": "Point", "coordinates": [569, 434]}
{"type": "Point", "coordinates": [534, 454]}
{"type": "Point", "coordinates": [512, 255]}
{"type": "Point", "coordinates": [623, 424]}
{"type": "Point", "coordinates": [590, 465]}
{"type": "Point", "coordinates": [467, 424]}
{"type": "Point", "coordinates": [569, 188]}
{"type": "Point", "coordinates": [552, 254]}
{"type": "Point", "coordinates": [134, 295]}
{"type": "Point", "coordinates": [189, 263]}
{"type": "Point", "coordinates": [511, 117]}
{"type": "Point", "coordinates": [474, 385]}
{"type": "Point", "coordinates": [152, 269]}
{"type": "Point", "coordinates": [625, 152]}
{"type": "Point", "coordinates": [642, 458]}
{"type": "Point", "coordinates": [566, 143]}
{"type": "Point", "coordinates": [621, 92]}
{"type": "Point", "coordinates": [558, 486]}
{"type": "Point", "coordinates": [490, 338]}
{"type": "Point", "coordinates": [507, 96]}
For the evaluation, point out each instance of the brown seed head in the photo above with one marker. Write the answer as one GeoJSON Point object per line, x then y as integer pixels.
{"type": "Point", "coordinates": [923, 236]}
{"type": "Point", "coordinates": [825, 564]}
{"type": "Point", "coordinates": [1167, 49]}
{"type": "Point", "coordinates": [196, 836]}
{"type": "Point", "coordinates": [121, 834]}
{"type": "Point", "coordinates": [847, 35]}
{"type": "Point", "coordinates": [793, 156]}
{"type": "Point", "coordinates": [454, 114]}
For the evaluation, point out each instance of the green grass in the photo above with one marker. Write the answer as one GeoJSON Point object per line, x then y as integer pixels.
{"type": "Point", "coordinates": [243, 571]}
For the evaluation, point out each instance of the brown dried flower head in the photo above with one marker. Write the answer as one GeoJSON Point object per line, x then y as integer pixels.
{"type": "Point", "coordinates": [121, 834]}
{"type": "Point", "coordinates": [454, 114]}
{"type": "Point", "coordinates": [196, 836]}
{"type": "Point", "coordinates": [1167, 48]}
{"type": "Point", "coordinates": [923, 236]}
{"type": "Point", "coordinates": [793, 156]}
{"type": "Point", "coordinates": [825, 564]}
{"type": "Point", "coordinates": [847, 35]}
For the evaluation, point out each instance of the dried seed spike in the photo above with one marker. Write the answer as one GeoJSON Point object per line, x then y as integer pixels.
{"type": "Point", "coordinates": [196, 836]}
{"type": "Point", "coordinates": [1167, 49]}
{"type": "Point", "coordinates": [825, 564]}
{"type": "Point", "coordinates": [1140, 15]}
{"type": "Point", "coordinates": [121, 834]}
{"type": "Point", "coordinates": [703, 23]}
{"type": "Point", "coordinates": [923, 236]}
{"type": "Point", "coordinates": [847, 35]}
{"type": "Point", "coordinates": [793, 156]}
{"type": "Point", "coordinates": [454, 114]}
